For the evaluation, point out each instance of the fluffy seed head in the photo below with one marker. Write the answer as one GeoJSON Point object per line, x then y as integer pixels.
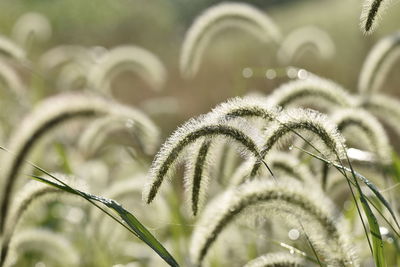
{"type": "Point", "coordinates": [387, 109]}
{"type": "Point", "coordinates": [13, 82]}
{"type": "Point", "coordinates": [43, 241]}
{"type": "Point", "coordinates": [371, 13]}
{"type": "Point", "coordinates": [304, 37]}
{"type": "Point", "coordinates": [277, 259]}
{"type": "Point", "coordinates": [45, 117]}
{"type": "Point", "coordinates": [310, 89]}
{"type": "Point", "coordinates": [11, 49]}
{"type": "Point", "coordinates": [378, 140]}
{"type": "Point", "coordinates": [147, 65]}
{"type": "Point", "coordinates": [313, 209]}
{"type": "Point", "coordinates": [60, 55]}
{"type": "Point", "coordinates": [202, 127]}
{"type": "Point", "coordinates": [378, 63]}
{"type": "Point", "coordinates": [326, 137]}
{"type": "Point", "coordinates": [213, 21]}
{"type": "Point", "coordinates": [30, 26]}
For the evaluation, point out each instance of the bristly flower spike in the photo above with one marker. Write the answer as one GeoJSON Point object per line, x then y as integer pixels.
{"type": "Point", "coordinates": [214, 20]}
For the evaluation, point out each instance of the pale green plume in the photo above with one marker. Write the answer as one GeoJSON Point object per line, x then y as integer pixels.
{"type": "Point", "coordinates": [60, 55]}
{"type": "Point", "coordinates": [143, 62]}
{"type": "Point", "coordinates": [313, 90]}
{"type": "Point", "coordinates": [299, 39]}
{"type": "Point", "coordinates": [386, 108]}
{"type": "Point", "coordinates": [13, 83]}
{"type": "Point", "coordinates": [278, 259]}
{"type": "Point", "coordinates": [282, 164]}
{"type": "Point", "coordinates": [378, 63]}
{"type": "Point", "coordinates": [367, 123]}
{"type": "Point", "coordinates": [216, 19]}
{"type": "Point", "coordinates": [52, 245]}
{"type": "Point", "coordinates": [11, 49]}
{"type": "Point", "coordinates": [32, 192]}
{"type": "Point", "coordinates": [197, 174]}
{"type": "Point", "coordinates": [309, 209]}
{"type": "Point", "coordinates": [324, 133]}
{"type": "Point", "coordinates": [31, 27]}
{"type": "Point", "coordinates": [48, 115]}
{"type": "Point", "coordinates": [372, 11]}
{"type": "Point", "coordinates": [205, 126]}
{"type": "Point", "coordinates": [142, 131]}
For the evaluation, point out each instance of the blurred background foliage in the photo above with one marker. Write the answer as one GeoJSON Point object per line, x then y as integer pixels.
{"type": "Point", "coordinates": [160, 25]}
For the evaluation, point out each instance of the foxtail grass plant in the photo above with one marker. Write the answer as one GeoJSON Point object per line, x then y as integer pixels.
{"type": "Point", "coordinates": [277, 259]}
{"type": "Point", "coordinates": [311, 210]}
{"type": "Point", "coordinates": [367, 123]}
{"type": "Point", "coordinates": [47, 116]}
{"type": "Point", "coordinates": [309, 89]}
{"type": "Point", "coordinates": [385, 108]}
{"type": "Point", "coordinates": [11, 49]}
{"type": "Point", "coordinates": [329, 141]}
{"type": "Point", "coordinates": [58, 56]}
{"type": "Point", "coordinates": [141, 61]}
{"type": "Point", "coordinates": [378, 63]}
{"type": "Point", "coordinates": [216, 19]}
{"type": "Point", "coordinates": [205, 126]}
{"type": "Point", "coordinates": [43, 241]}
{"type": "Point", "coordinates": [371, 12]}
{"type": "Point", "coordinates": [299, 40]}
{"type": "Point", "coordinates": [30, 193]}
{"type": "Point", "coordinates": [282, 164]}
{"type": "Point", "coordinates": [30, 28]}
{"type": "Point", "coordinates": [14, 83]}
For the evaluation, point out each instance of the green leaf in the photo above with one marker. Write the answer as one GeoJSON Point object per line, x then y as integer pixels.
{"type": "Point", "coordinates": [377, 241]}
{"type": "Point", "coordinates": [130, 220]}
{"type": "Point", "coordinates": [367, 182]}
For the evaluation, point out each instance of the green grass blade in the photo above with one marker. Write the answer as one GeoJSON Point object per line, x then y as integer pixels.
{"type": "Point", "coordinates": [134, 224]}
{"type": "Point", "coordinates": [363, 179]}
{"type": "Point", "coordinates": [377, 241]}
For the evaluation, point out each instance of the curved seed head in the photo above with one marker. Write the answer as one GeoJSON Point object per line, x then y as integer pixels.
{"type": "Point", "coordinates": [379, 61]}
{"type": "Point", "coordinates": [43, 241]}
{"type": "Point", "coordinates": [372, 11]}
{"type": "Point", "coordinates": [30, 26]}
{"type": "Point", "coordinates": [311, 88]}
{"type": "Point", "coordinates": [386, 108]}
{"type": "Point", "coordinates": [277, 259]}
{"type": "Point", "coordinates": [310, 208]}
{"type": "Point", "coordinates": [299, 39]}
{"type": "Point", "coordinates": [143, 62]}
{"type": "Point", "coordinates": [11, 49]}
{"type": "Point", "coordinates": [206, 126]}
{"type": "Point", "coordinates": [213, 21]}
{"type": "Point", "coordinates": [367, 123]}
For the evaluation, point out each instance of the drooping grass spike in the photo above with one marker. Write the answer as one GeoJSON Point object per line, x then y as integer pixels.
{"type": "Point", "coordinates": [11, 49]}
{"type": "Point", "coordinates": [277, 259]}
{"type": "Point", "coordinates": [367, 123]}
{"type": "Point", "coordinates": [309, 209]}
{"type": "Point", "coordinates": [371, 12]}
{"type": "Point", "coordinates": [385, 108]}
{"type": "Point", "coordinates": [310, 89]}
{"type": "Point", "coordinates": [295, 43]}
{"type": "Point", "coordinates": [143, 62]}
{"type": "Point", "coordinates": [196, 176]}
{"type": "Point", "coordinates": [51, 113]}
{"type": "Point", "coordinates": [43, 241]}
{"type": "Point", "coordinates": [216, 19]}
{"type": "Point", "coordinates": [326, 137]}
{"type": "Point", "coordinates": [378, 63]}
{"type": "Point", "coordinates": [205, 126]}
{"type": "Point", "coordinates": [31, 27]}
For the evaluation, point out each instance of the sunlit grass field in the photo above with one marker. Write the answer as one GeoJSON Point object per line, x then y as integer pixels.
{"type": "Point", "coordinates": [171, 133]}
